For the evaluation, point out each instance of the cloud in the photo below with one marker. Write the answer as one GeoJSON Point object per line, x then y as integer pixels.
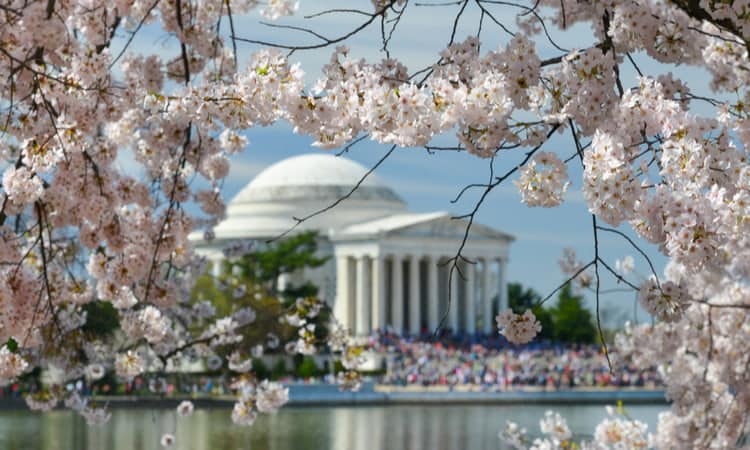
{"type": "Point", "coordinates": [406, 187]}
{"type": "Point", "coordinates": [571, 240]}
{"type": "Point", "coordinates": [574, 196]}
{"type": "Point", "coordinates": [245, 170]}
{"type": "Point", "coordinates": [241, 172]}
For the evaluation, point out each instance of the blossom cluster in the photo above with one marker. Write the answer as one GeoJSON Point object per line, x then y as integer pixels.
{"type": "Point", "coordinates": [279, 8]}
{"type": "Point", "coordinates": [570, 266]}
{"type": "Point", "coordinates": [80, 234]}
{"type": "Point", "coordinates": [666, 301]}
{"type": "Point", "coordinates": [184, 409]}
{"type": "Point", "coordinates": [518, 328]}
{"type": "Point", "coordinates": [265, 397]}
{"type": "Point", "coordinates": [702, 360]}
{"type": "Point", "coordinates": [12, 365]}
{"type": "Point", "coordinates": [543, 181]}
{"type": "Point", "coordinates": [616, 431]}
{"type": "Point", "coordinates": [94, 415]}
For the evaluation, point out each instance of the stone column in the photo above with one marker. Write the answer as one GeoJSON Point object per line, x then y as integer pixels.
{"type": "Point", "coordinates": [415, 307]}
{"type": "Point", "coordinates": [433, 315]}
{"type": "Point", "coordinates": [363, 298]}
{"type": "Point", "coordinates": [487, 319]}
{"type": "Point", "coordinates": [471, 304]}
{"type": "Point", "coordinates": [378, 293]}
{"type": "Point", "coordinates": [282, 282]}
{"type": "Point", "coordinates": [352, 297]}
{"type": "Point", "coordinates": [501, 284]}
{"type": "Point", "coordinates": [341, 305]}
{"type": "Point", "coordinates": [397, 294]}
{"type": "Point", "coordinates": [216, 269]}
{"type": "Point", "coordinates": [453, 304]}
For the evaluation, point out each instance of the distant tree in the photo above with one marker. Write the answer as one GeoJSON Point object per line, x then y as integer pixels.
{"type": "Point", "coordinates": [101, 319]}
{"type": "Point", "coordinates": [251, 281]}
{"type": "Point", "coordinates": [229, 293]}
{"type": "Point", "coordinates": [519, 299]}
{"type": "Point", "coordinates": [279, 369]}
{"type": "Point", "coordinates": [307, 368]}
{"type": "Point", "coordinates": [571, 321]}
{"type": "Point", "coordinates": [263, 267]}
{"type": "Point", "coordinates": [285, 256]}
{"type": "Point", "coordinates": [260, 369]}
{"type": "Point", "coordinates": [568, 321]}
{"type": "Point", "coordinates": [213, 289]}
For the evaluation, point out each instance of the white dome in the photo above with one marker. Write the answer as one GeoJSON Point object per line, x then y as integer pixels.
{"type": "Point", "coordinates": [317, 169]}
{"type": "Point", "coordinates": [313, 176]}
{"type": "Point", "coordinates": [302, 185]}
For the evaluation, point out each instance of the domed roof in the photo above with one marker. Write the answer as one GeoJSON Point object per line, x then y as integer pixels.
{"type": "Point", "coordinates": [303, 185]}
{"type": "Point", "coordinates": [314, 176]}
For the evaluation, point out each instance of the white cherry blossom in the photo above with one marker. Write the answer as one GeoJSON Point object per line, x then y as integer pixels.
{"type": "Point", "coordinates": [518, 328]}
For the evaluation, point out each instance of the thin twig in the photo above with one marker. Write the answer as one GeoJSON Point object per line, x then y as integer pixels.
{"type": "Point", "coordinates": [597, 260]}
{"type": "Point", "coordinates": [564, 283]}
{"type": "Point", "coordinates": [300, 220]}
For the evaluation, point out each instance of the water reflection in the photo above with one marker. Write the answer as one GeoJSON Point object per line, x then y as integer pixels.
{"type": "Point", "coordinates": [351, 428]}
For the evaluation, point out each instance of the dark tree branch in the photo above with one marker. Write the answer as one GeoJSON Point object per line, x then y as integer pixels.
{"type": "Point", "coordinates": [327, 42]}
{"type": "Point", "coordinates": [636, 247]}
{"type": "Point", "coordinates": [597, 260]}
{"type": "Point", "coordinates": [564, 283]}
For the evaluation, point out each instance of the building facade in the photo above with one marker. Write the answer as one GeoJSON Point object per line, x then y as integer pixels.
{"type": "Point", "coordinates": [388, 268]}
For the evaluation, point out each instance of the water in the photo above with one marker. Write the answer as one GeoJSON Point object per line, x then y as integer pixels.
{"type": "Point", "coordinates": [302, 428]}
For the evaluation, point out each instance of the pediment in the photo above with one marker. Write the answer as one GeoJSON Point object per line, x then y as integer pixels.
{"type": "Point", "coordinates": [436, 225]}
{"type": "Point", "coordinates": [448, 228]}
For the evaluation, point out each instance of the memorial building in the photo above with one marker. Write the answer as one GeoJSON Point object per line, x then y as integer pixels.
{"type": "Point", "coordinates": [387, 265]}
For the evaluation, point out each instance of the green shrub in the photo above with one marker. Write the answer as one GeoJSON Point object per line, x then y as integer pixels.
{"type": "Point", "coordinates": [279, 369]}
{"type": "Point", "coordinates": [307, 368]}
{"type": "Point", "coordinates": [260, 369]}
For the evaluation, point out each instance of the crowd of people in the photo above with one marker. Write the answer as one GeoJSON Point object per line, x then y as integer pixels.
{"type": "Point", "coordinates": [497, 365]}
{"type": "Point", "coordinates": [486, 362]}
{"type": "Point", "coordinates": [184, 385]}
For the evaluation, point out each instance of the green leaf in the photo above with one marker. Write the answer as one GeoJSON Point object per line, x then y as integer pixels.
{"type": "Point", "coordinates": [12, 345]}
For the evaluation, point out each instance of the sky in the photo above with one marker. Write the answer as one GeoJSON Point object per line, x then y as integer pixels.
{"type": "Point", "coordinates": [428, 182]}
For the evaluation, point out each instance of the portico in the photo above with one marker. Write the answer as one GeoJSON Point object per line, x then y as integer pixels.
{"type": "Point", "coordinates": [397, 277]}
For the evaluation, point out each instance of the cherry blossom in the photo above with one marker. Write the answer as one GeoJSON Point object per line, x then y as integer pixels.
{"type": "Point", "coordinates": [513, 435]}
{"type": "Point", "coordinates": [243, 414]}
{"type": "Point", "coordinates": [625, 265]}
{"type": "Point", "coordinates": [253, 399]}
{"type": "Point", "coordinates": [278, 8]}
{"type": "Point", "coordinates": [666, 301]}
{"type": "Point", "coordinates": [42, 402]}
{"type": "Point", "coordinates": [95, 416]}
{"type": "Point", "coordinates": [518, 328]}
{"type": "Point", "coordinates": [554, 424]}
{"type": "Point", "coordinates": [614, 432]}
{"type": "Point", "coordinates": [12, 365]}
{"type": "Point", "coordinates": [113, 155]}
{"type": "Point", "coordinates": [129, 364]}
{"type": "Point", "coordinates": [543, 181]}
{"type": "Point", "coordinates": [237, 364]}
{"type": "Point", "coordinates": [617, 432]}
{"type": "Point", "coordinates": [167, 440]}
{"type": "Point", "coordinates": [22, 186]}
{"type": "Point", "coordinates": [95, 371]}
{"type": "Point", "coordinates": [271, 396]}
{"type": "Point", "coordinates": [185, 408]}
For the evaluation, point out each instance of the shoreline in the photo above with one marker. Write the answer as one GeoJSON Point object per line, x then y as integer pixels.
{"type": "Point", "coordinates": [309, 395]}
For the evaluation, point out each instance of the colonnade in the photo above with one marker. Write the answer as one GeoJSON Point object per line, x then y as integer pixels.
{"type": "Point", "coordinates": [409, 293]}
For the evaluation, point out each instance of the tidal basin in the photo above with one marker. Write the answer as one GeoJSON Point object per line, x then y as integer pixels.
{"type": "Point", "coordinates": [392, 427]}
